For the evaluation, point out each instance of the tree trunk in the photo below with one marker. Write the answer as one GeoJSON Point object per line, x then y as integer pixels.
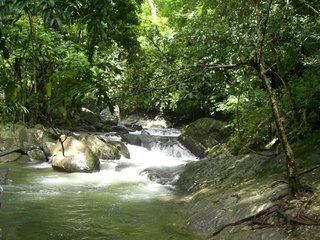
{"type": "Point", "coordinates": [284, 80]}
{"type": "Point", "coordinates": [295, 186]}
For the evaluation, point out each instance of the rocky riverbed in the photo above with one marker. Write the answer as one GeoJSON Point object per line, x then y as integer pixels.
{"type": "Point", "coordinates": [222, 193]}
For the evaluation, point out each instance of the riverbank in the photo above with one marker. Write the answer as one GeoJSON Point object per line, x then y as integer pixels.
{"type": "Point", "coordinates": [245, 196]}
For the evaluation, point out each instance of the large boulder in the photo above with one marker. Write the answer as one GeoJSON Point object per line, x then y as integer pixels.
{"type": "Point", "coordinates": [74, 156]}
{"type": "Point", "coordinates": [203, 134]}
{"type": "Point", "coordinates": [36, 141]}
{"type": "Point", "coordinates": [140, 120]}
{"type": "Point", "coordinates": [88, 121]}
{"type": "Point", "coordinates": [110, 117]}
{"type": "Point", "coordinates": [101, 148]}
{"type": "Point", "coordinates": [89, 116]}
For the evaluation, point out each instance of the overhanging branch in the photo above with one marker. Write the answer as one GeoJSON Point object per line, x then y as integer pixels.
{"type": "Point", "coordinates": [222, 66]}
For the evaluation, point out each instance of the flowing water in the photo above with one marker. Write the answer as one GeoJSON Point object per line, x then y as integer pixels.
{"type": "Point", "coordinates": [117, 203]}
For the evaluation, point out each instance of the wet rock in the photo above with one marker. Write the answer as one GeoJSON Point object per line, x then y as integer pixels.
{"type": "Point", "coordinates": [226, 168]}
{"type": "Point", "coordinates": [17, 136]}
{"type": "Point", "coordinates": [123, 148]}
{"type": "Point", "coordinates": [136, 127]}
{"type": "Point", "coordinates": [37, 155]}
{"type": "Point", "coordinates": [163, 175]}
{"type": "Point", "coordinates": [110, 117]}
{"type": "Point", "coordinates": [76, 157]}
{"type": "Point", "coordinates": [3, 176]}
{"type": "Point", "coordinates": [132, 139]}
{"type": "Point", "coordinates": [145, 121]}
{"type": "Point", "coordinates": [123, 166]}
{"type": "Point", "coordinates": [149, 141]}
{"type": "Point", "coordinates": [203, 134]}
{"type": "Point", "coordinates": [120, 129]}
{"type": "Point", "coordinates": [101, 148]}
{"type": "Point", "coordinates": [89, 116]}
{"type": "Point", "coordinates": [11, 157]}
{"type": "Point", "coordinates": [226, 189]}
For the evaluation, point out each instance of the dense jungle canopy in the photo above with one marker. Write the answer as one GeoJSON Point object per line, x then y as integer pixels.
{"type": "Point", "coordinates": [252, 61]}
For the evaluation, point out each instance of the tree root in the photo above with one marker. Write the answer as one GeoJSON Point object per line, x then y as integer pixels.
{"type": "Point", "coordinates": [309, 170]}
{"type": "Point", "coordinates": [276, 216]}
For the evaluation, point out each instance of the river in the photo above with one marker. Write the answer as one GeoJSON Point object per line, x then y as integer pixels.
{"type": "Point", "coordinates": [118, 203]}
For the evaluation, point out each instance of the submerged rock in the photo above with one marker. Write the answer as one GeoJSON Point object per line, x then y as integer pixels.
{"type": "Point", "coordinates": [123, 149]}
{"type": "Point", "coordinates": [75, 156]}
{"type": "Point", "coordinates": [163, 175]}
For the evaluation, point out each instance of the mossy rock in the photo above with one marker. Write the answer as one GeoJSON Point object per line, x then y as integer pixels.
{"type": "Point", "coordinates": [75, 156]}
{"type": "Point", "coordinates": [204, 134]}
{"type": "Point", "coordinates": [101, 148]}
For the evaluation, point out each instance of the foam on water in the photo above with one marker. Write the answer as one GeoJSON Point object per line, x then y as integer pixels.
{"type": "Point", "coordinates": [119, 202]}
{"type": "Point", "coordinates": [127, 170]}
{"type": "Point", "coordinates": [169, 132]}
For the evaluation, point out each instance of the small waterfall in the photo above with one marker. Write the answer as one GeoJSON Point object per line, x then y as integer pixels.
{"type": "Point", "coordinates": [129, 199]}
{"type": "Point", "coordinates": [157, 159]}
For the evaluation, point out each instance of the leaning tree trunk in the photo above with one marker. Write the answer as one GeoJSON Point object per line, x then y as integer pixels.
{"type": "Point", "coordinates": [295, 187]}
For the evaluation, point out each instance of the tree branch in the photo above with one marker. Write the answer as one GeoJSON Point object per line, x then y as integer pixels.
{"type": "Point", "coordinates": [23, 152]}
{"type": "Point", "coordinates": [222, 66]}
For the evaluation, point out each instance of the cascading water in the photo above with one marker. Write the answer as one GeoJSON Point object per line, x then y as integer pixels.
{"type": "Point", "coordinates": [128, 199]}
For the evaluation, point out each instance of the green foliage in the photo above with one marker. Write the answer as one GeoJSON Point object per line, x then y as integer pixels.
{"type": "Point", "coordinates": [62, 55]}
{"type": "Point", "coordinates": [57, 56]}
{"type": "Point", "coordinates": [177, 71]}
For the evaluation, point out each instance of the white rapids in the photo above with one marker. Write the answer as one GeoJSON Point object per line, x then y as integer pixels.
{"type": "Point", "coordinates": [166, 155]}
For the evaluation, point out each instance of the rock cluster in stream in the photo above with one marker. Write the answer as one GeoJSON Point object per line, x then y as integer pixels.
{"type": "Point", "coordinates": [69, 151]}
{"type": "Point", "coordinates": [80, 152]}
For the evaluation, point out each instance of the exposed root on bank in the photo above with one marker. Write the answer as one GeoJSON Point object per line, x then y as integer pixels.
{"type": "Point", "coordinates": [309, 170]}
{"type": "Point", "coordinates": [285, 213]}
